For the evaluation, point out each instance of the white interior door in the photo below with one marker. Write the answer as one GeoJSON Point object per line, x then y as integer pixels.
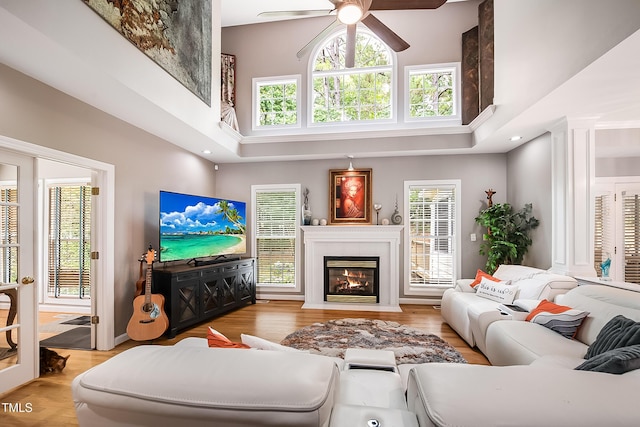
{"type": "Point", "coordinates": [17, 283]}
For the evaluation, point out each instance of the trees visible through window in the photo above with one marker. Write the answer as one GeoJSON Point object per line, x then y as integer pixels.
{"type": "Point", "coordinates": [432, 92]}
{"type": "Point", "coordinates": [69, 241]}
{"type": "Point", "coordinates": [361, 93]}
{"type": "Point", "coordinates": [277, 102]}
{"type": "Point", "coordinates": [276, 215]}
{"type": "Point", "coordinates": [432, 234]}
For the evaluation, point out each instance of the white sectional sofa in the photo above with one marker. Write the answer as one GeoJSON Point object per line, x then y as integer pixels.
{"type": "Point", "coordinates": [538, 384]}
{"type": "Point", "coordinates": [470, 314]}
{"type": "Point", "coordinates": [523, 343]}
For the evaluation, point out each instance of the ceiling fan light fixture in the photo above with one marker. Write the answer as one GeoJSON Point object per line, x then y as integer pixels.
{"type": "Point", "coordinates": [350, 14]}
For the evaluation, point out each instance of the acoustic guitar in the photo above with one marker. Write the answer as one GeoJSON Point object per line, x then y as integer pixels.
{"type": "Point", "coordinates": [149, 320]}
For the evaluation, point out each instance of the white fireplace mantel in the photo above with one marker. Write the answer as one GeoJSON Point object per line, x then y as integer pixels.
{"type": "Point", "coordinates": [358, 240]}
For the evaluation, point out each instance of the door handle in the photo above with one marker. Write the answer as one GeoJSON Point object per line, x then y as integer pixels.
{"type": "Point", "coordinates": [27, 280]}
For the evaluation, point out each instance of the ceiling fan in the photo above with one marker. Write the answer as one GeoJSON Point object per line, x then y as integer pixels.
{"type": "Point", "coordinates": [350, 12]}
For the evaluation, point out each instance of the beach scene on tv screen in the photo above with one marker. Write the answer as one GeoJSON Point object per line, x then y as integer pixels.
{"type": "Point", "coordinates": [198, 227]}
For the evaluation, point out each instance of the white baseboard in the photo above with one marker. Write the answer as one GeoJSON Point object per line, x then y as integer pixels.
{"type": "Point", "coordinates": [121, 338]}
{"type": "Point", "coordinates": [282, 297]}
{"type": "Point", "coordinates": [421, 301]}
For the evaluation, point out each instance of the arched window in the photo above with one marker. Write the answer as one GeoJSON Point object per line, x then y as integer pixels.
{"type": "Point", "coordinates": [359, 94]}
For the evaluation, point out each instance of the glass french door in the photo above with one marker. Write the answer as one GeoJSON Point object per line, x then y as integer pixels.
{"type": "Point", "coordinates": [18, 315]}
{"type": "Point", "coordinates": [617, 229]}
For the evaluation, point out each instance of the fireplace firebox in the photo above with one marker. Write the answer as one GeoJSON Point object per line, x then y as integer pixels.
{"type": "Point", "coordinates": [351, 279]}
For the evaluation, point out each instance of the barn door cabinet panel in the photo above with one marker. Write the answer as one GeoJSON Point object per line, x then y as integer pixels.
{"type": "Point", "coordinates": [195, 294]}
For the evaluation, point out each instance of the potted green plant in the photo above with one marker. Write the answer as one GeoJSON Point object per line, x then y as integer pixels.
{"type": "Point", "coordinates": [507, 239]}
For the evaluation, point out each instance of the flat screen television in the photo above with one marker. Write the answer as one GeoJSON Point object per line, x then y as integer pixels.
{"type": "Point", "coordinates": [193, 227]}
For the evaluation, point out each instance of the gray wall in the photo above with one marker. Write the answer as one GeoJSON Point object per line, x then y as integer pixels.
{"type": "Point", "coordinates": [477, 173]}
{"type": "Point", "coordinates": [35, 113]}
{"type": "Point", "coordinates": [529, 181]}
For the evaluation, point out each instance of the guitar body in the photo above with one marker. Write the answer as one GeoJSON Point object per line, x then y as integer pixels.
{"type": "Point", "coordinates": [148, 320]}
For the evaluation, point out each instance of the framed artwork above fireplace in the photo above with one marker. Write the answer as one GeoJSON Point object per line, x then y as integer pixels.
{"type": "Point", "coordinates": [350, 196]}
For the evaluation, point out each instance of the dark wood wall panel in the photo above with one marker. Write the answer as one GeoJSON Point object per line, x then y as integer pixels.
{"type": "Point", "coordinates": [470, 78]}
{"type": "Point", "coordinates": [485, 43]}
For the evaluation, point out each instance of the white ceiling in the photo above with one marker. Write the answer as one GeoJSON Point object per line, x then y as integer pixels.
{"type": "Point", "coordinates": [242, 12]}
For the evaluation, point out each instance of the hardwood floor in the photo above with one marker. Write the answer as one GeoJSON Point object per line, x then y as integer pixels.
{"type": "Point", "coordinates": [51, 403]}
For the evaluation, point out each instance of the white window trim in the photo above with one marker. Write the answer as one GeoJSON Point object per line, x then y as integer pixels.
{"type": "Point", "coordinates": [431, 290]}
{"type": "Point", "coordinates": [456, 118]}
{"type": "Point", "coordinates": [255, 109]}
{"type": "Point", "coordinates": [357, 125]}
{"type": "Point", "coordinates": [297, 188]}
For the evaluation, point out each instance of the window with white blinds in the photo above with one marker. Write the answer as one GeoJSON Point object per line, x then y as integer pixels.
{"type": "Point", "coordinates": [8, 234]}
{"type": "Point", "coordinates": [432, 212]}
{"type": "Point", "coordinates": [631, 209]}
{"type": "Point", "coordinates": [276, 216]}
{"type": "Point", "coordinates": [603, 239]}
{"type": "Point", "coordinates": [69, 241]}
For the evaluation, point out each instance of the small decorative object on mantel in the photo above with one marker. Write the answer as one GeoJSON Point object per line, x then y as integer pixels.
{"type": "Point", "coordinates": [396, 218]}
{"type": "Point", "coordinates": [306, 211]}
{"type": "Point", "coordinates": [377, 208]}
{"type": "Point", "coordinates": [350, 197]}
{"type": "Point", "coordinates": [385, 221]}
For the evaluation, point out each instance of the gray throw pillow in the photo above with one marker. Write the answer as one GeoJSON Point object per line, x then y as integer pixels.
{"type": "Point", "coordinates": [616, 361]}
{"type": "Point", "coordinates": [618, 332]}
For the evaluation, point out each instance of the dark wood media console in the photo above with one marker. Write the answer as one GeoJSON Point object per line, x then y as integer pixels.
{"type": "Point", "coordinates": [195, 294]}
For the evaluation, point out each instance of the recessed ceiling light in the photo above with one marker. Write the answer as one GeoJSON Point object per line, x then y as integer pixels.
{"type": "Point", "coordinates": [206, 151]}
{"type": "Point", "coordinates": [515, 138]}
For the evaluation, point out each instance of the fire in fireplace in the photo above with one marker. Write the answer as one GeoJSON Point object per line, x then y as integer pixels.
{"type": "Point", "coordinates": [351, 279]}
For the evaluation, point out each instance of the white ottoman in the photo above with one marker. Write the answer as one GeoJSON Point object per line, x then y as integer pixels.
{"type": "Point", "coordinates": [201, 386]}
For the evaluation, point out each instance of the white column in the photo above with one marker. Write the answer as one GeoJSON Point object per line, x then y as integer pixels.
{"type": "Point", "coordinates": [573, 169]}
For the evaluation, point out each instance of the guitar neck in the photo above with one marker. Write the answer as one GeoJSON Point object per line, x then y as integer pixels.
{"type": "Point", "coordinates": [147, 288]}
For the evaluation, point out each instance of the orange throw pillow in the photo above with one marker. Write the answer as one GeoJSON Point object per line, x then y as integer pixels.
{"type": "Point", "coordinates": [479, 275]}
{"type": "Point", "coordinates": [559, 318]}
{"type": "Point", "coordinates": [548, 307]}
{"type": "Point", "coordinates": [216, 339]}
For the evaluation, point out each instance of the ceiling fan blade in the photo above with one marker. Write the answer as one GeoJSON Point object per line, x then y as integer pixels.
{"type": "Point", "coordinates": [350, 52]}
{"type": "Point", "coordinates": [324, 33]}
{"type": "Point", "coordinates": [405, 4]}
{"type": "Point", "coordinates": [385, 33]}
{"type": "Point", "coordinates": [285, 13]}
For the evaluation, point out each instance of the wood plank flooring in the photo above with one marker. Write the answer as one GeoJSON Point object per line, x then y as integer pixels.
{"type": "Point", "coordinates": [51, 403]}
